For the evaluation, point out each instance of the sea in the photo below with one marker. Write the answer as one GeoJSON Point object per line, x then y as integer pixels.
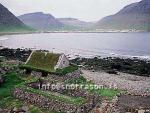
{"type": "Point", "coordinates": [83, 44]}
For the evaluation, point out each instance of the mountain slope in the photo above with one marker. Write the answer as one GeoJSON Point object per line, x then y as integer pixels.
{"type": "Point", "coordinates": [10, 23]}
{"type": "Point", "coordinates": [135, 16]}
{"type": "Point", "coordinates": [41, 21]}
{"type": "Point", "coordinates": [74, 23]}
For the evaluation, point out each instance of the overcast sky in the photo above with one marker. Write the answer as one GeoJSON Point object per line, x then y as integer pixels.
{"type": "Point", "coordinates": [88, 10]}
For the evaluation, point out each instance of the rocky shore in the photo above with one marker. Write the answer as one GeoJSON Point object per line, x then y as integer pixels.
{"type": "Point", "coordinates": [15, 54]}
{"type": "Point", "coordinates": [133, 84]}
{"type": "Point", "coordinates": [113, 65]}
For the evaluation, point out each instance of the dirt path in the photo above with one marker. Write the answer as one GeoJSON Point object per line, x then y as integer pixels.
{"type": "Point", "coordinates": [137, 85]}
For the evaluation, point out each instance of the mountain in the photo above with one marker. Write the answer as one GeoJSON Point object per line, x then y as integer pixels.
{"type": "Point", "coordinates": [74, 23]}
{"type": "Point", "coordinates": [9, 22]}
{"type": "Point", "coordinates": [135, 16]}
{"type": "Point", "coordinates": [41, 21]}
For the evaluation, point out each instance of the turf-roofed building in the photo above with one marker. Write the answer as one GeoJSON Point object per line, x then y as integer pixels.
{"type": "Point", "coordinates": [45, 61]}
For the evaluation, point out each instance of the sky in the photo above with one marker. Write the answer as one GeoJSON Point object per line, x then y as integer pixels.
{"type": "Point", "coordinates": [86, 10]}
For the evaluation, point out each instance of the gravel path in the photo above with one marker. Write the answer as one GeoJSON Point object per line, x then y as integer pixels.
{"type": "Point", "coordinates": [136, 85]}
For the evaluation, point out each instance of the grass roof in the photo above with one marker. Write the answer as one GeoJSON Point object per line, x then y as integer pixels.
{"type": "Point", "coordinates": [43, 61]}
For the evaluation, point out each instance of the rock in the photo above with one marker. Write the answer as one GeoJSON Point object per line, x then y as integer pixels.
{"type": "Point", "coordinates": [15, 109]}
{"type": "Point", "coordinates": [112, 72]}
{"type": "Point", "coordinates": [25, 108]}
{"type": "Point", "coordinates": [1, 110]}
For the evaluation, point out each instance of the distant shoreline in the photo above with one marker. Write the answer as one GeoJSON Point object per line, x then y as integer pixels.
{"type": "Point", "coordinates": [16, 33]}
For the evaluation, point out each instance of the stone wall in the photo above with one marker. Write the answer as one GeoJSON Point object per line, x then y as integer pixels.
{"type": "Point", "coordinates": [54, 105]}
{"type": "Point", "coordinates": [43, 102]}
{"type": "Point", "coordinates": [69, 76]}
{"type": "Point", "coordinates": [53, 77]}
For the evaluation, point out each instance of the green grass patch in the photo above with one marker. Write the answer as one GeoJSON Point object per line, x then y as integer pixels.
{"type": "Point", "coordinates": [66, 70]}
{"type": "Point", "coordinates": [34, 109]}
{"type": "Point", "coordinates": [107, 92]}
{"type": "Point", "coordinates": [11, 79]}
{"type": "Point", "coordinates": [15, 28]}
{"type": "Point", "coordinates": [10, 102]}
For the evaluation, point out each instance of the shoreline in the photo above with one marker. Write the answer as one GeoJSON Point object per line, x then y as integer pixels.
{"type": "Point", "coordinates": [144, 58]}
{"type": "Point", "coordinates": [38, 32]}
{"type": "Point", "coordinates": [134, 66]}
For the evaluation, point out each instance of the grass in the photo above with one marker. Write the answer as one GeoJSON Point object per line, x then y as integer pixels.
{"type": "Point", "coordinates": [6, 99]}
{"type": "Point", "coordinates": [34, 109]}
{"type": "Point", "coordinates": [108, 93]}
{"type": "Point", "coordinates": [15, 28]}
{"type": "Point", "coordinates": [10, 102]}
{"type": "Point", "coordinates": [11, 79]}
{"type": "Point", "coordinates": [66, 70]}
{"type": "Point", "coordinates": [43, 61]}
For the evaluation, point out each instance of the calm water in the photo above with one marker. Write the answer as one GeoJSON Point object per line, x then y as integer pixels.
{"type": "Point", "coordinates": [84, 44]}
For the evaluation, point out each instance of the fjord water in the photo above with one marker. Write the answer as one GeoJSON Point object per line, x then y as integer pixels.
{"type": "Point", "coordinates": [83, 44]}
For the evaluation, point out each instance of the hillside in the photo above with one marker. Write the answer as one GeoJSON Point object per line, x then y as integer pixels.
{"type": "Point", "coordinates": [74, 23]}
{"type": "Point", "coordinates": [41, 21]}
{"type": "Point", "coordinates": [10, 23]}
{"type": "Point", "coordinates": [135, 16]}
